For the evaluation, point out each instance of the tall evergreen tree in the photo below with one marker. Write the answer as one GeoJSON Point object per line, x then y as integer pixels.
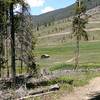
{"type": "Point", "coordinates": [13, 66]}
{"type": "Point", "coordinates": [79, 25]}
{"type": "Point", "coordinates": [19, 25]}
{"type": "Point", "coordinates": [2, 32]}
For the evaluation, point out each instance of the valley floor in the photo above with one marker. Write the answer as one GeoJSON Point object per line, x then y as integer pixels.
{"type": "Point", "coordinates": [86, 92]}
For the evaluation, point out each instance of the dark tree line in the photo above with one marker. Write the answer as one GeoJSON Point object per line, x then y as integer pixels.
{"type": "Point", "coordinates": [16, 37]}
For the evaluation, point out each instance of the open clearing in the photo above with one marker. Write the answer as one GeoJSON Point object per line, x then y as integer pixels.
{"type": "Point", "coordinates": [89, 53]}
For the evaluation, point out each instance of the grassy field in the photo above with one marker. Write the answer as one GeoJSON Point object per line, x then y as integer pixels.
{"type": "Point", "coordinates": [64, 66]}
{"type": "Point", "coordinates": [61, 48]}
{"type": "Point", "coordinates": [61, 53]}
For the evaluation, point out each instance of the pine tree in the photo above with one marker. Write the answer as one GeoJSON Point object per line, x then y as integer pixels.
{"type": "Point", "coordinates": [79, 25]}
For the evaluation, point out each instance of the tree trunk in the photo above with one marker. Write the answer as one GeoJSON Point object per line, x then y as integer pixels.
{"type": "Point", "coordinates": [1, 54]}
{"type": "Point", "coordinates": [21, 58]}
{"type": "Point", "coordinates": [7, 55]}
{"type": "Point", "coordinates": [0, 70]}
{"type": "Point", "coordinates": [13, 70]}
{"type": "Point", "coordinates": [22, 38]}
{"type": "Point", "coordinates": [77, 54]}
{"type": "Point", "coordinates": [77, 40]}
{"type": "Point", "coordinates": [7, 44]}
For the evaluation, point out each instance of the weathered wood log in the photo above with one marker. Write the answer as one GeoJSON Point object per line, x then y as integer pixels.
{"type": "Point", "coordinates": [33, 83]}
{"type": "Point", "coordinates": [43, 91]}
{"type": "Point", "coordinates": [32, 96]}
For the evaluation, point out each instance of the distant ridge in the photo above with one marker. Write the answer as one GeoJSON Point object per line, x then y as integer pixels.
{"type": "Point", "coordinates": [62, 13]}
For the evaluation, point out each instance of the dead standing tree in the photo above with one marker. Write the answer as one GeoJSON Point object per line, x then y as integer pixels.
{"type": "Point", "coordinates": [26, 39]}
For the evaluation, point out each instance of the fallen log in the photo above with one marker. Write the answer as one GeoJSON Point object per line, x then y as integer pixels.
{"type": "Point", "coordinates": [43, 91]}
{"type": "Point", "coordinates": [34, 83]}
{"type": "Point", "coordinates": [32, 96]}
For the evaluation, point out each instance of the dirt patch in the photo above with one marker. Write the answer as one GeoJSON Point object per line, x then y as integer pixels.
{"type": "Point", "coordinates": [85, 93]}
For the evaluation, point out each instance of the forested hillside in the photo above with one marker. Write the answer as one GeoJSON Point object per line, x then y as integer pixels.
{"type": "Point", "coordinates": [62, 13]}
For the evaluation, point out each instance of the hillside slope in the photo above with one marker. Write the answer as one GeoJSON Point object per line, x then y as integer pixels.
{"type": "Point", "coordinates": [62, 13]}
{"type": "Point", "coordinates": [55, 41]}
